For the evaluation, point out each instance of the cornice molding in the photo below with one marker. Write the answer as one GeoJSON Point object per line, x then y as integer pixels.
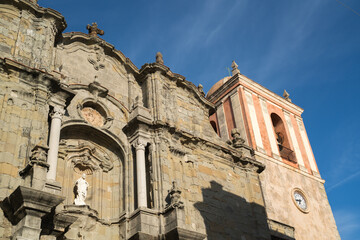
{"type": "Point", "coordinates": [256, 88]}
{"type": "Point", "coordinates": [150, 68]}
{"type": "Point", "coordinates": [34, 76]}
{"type": "Point", "coordinates": [238, 159]}
{"type": "Point", "coordinates": [268, 94]}
{"type": "Point", "coordinates": [223, 88]}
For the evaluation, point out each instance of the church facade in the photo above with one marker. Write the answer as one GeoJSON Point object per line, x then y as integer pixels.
{"type": "Point", "coordinates": [93, 147]}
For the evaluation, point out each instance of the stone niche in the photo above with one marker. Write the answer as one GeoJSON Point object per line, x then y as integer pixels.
{"type": "Point", "coordinates": [84, 149]}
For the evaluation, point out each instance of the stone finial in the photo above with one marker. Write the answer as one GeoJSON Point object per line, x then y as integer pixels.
{"type": "Point", "coordinates": [235, 69]}
{"type": "Point", "coordinates": [94, 30]}
{"type": "Point", "coordinates": [286, 96]}
{"type": "Point", "coordinates": [237, 140]}
{"type": "Point", "coordinates": [159, 58]}
{"type": "Point", "coordinates": [201, 89]}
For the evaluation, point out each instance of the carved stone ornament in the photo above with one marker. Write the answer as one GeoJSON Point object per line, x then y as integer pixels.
{"type": "Point", "coordinates": [94, 30]}
{"type": "Point", "coordinates": [235, 69]}
{"type": "Point", "coordinates": [97, 90]}
{"type": "Point", "coordinates": [237, 140]}
{"type": "Point", "coordinates": [93, 117]}
{"type": "Point", "coordinates": [201, 89]}
{"type": "Point", "coordinates": [286, 95]}
{"type": "Point", "coordinates": [38, 157]}
{"type": "Point", "coordinates": [95, 113]}
{"type": "Point", "coordinates": [98, 63]}
{"type": "Point", "coordinates": [88, 158]}
{"type": "Point", "coordinates": [39, 154]}
{"type": "Point", "coordinates": [175, 196]}
{"type": "Point", "coordinates": [159, 58]}
{"type": "Point", "coordinates": [58, 112]}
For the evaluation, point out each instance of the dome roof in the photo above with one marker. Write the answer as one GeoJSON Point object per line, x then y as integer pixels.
{"type": "Point", "coordinates": [217, 85]}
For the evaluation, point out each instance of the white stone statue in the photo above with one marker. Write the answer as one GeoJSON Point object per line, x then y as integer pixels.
{"type": "Point", "coordinates": [81, 187]}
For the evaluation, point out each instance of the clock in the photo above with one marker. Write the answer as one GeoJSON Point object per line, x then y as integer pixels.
{"type": "Point", "coordinates": [300, 200]}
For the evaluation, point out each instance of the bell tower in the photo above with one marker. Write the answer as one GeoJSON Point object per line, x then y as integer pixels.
{"type": "Point", "coordinates": [272, 125]}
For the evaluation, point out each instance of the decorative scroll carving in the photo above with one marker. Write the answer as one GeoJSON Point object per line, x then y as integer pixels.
{"type": "Point", "coordinates": [98, 62]}
{"type": "Point", "coordinates": [87, 159]}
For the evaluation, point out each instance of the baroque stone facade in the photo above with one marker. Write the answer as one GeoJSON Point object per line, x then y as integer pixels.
{"type": "Point", "coordinates": [71, 104]}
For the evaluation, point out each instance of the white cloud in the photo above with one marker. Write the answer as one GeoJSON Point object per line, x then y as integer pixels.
{"type": "Point", "coordinates": [342, 182]}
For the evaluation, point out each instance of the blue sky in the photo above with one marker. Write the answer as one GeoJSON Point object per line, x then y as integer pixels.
{"type": "Point", "coordinates": [311, 48]}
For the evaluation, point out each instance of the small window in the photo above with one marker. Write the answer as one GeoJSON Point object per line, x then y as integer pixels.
{"type": "Point", "coordinates": [281, 138]}
{"type": "Point", "coordinates": [213, 124]}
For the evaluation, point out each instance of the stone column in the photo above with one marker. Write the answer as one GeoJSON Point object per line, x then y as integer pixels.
{"type": "Point", "coordinates": [141, 173]}
{"type": "Point", "coordinates": [56, 117]}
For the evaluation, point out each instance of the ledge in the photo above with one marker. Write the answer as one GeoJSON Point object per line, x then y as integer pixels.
{"type": "Point", "coordinates": [24, 198]}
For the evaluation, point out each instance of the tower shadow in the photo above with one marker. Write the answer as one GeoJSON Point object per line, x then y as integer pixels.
{"type": "Point", "coordinates": [231, 217]}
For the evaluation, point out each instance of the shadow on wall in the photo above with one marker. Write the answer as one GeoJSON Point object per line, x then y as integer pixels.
{"type": "Point", "coordinates": [229, 216]}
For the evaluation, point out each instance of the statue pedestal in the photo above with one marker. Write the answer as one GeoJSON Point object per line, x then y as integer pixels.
{"type": "Point", "coordinates": [144, 224]}
{"type": "Point", "coordinates": [175, 227]}
{"type": "Point", "coordinates": [86, 219]}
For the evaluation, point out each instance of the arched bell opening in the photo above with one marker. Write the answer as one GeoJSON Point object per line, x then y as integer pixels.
{"type": "Point", "coordinates": [87, 150]}
{"type": "Point", "coordinates": [282, 138]}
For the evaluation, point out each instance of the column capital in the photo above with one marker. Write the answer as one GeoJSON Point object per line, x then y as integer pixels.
{"type": "Point", "coordinates": [57, 112]}
{"type": "Point", "coordinates": [139, 144]}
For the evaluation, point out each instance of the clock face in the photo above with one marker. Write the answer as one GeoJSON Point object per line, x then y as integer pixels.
{"type": "Point", "coordinates": [300, 200]}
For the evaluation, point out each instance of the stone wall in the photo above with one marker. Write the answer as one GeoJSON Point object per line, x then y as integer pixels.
{"type": "Point", "coordinates": [27, 33]}
{"type": "Point", "coordinates": [214, 189]}
{"type": "Point", "coordinates": [278, 182]}
{"type": "Point", "coordinates": [23, 119]}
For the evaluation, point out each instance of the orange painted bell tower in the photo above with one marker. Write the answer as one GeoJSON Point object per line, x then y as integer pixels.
{"type": "Point", "coordinates": [272, 125]}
